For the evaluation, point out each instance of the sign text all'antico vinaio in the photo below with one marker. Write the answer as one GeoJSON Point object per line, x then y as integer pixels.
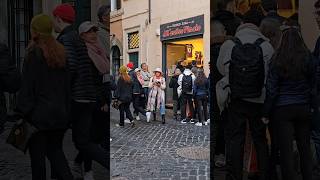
{"type": "Point", "coordinates": [183, 28]}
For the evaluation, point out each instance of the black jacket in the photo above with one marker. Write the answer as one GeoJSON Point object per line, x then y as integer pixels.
{"type": "Point", "coordinates": [44, 99]}
{"type": "Point", "coordinates": [86, 83]}
{"type": "Point", "coordinates": [174, 85]}
{"type": "Point", "coordinates": [137, 87]}
{"type": "Point", "coordinates": [124, 91]}
{"type": "Point", "coordinates": [10, 79]}
{"type": "Point", "coordinates": [282, 92]}
{"type": "Point", "coordinates": [229, 20]}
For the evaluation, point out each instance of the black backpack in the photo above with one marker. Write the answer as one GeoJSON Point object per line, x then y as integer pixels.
{"type": "Point", "coordinates": [246, 70]}
{"type": "Point", "coordinates": [187, 84]}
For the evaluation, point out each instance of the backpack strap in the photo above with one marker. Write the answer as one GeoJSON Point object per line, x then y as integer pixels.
{"type": "Point", "coordinates": [236, 41]}
{"type": "Point", "coordinates": [259, 41]}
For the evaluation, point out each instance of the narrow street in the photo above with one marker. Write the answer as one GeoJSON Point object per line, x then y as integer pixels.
{"type": "Point", "coordinates": [14, 165]}
{"type": "Point", "coordinates": [173, 151]}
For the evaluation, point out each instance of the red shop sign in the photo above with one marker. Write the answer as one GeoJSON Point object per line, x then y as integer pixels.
{"type": "Point", "coordinates": [183, 28]}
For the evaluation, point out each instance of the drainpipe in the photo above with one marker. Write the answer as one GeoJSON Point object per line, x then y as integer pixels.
{"type": "Point", "coordinates": [149, 11]}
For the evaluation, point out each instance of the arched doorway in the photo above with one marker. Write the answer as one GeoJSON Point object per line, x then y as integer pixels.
{"type": "Point", "coordinates": [115, 60]}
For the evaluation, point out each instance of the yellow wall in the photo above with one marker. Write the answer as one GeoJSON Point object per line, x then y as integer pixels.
{"type": "Point", "coordinates": [197, 46]}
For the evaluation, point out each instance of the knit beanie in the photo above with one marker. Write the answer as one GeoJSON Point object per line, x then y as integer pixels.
{"type": "Point", "coordinates": [130, 65]}
{"type": "Point", "coordinates": [42, 24]}
{"type": "Point", "coordinates": [123, 70]}
{"type": "Point", "coordinates": [65, 12]}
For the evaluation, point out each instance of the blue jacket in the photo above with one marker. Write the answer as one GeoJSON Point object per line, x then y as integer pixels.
{"type": "Point", "coordinates": [282, 92]}
{"type": "Point", "coordinates": [202, 90]}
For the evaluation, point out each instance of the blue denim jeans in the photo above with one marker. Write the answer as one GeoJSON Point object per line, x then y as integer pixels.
{"type": "Point", "coordinates": [163, 109]}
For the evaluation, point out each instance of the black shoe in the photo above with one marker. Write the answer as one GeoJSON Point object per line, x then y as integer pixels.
{"type": "Point", "coordinates": [163, 119]}
{"type": "Point", "coordinates": [132, 123]}
{"type": "Point", "coordinates": [154, 116]}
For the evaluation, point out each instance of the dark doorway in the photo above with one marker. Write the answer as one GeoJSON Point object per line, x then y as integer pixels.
{"type": "Point", "coordinates": [115, 60]}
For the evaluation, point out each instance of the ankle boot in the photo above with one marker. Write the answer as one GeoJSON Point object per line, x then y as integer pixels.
{"type": "Point", "coordinates": [163, 119]}
{"type": "Point", "coordinates": [154, 116]}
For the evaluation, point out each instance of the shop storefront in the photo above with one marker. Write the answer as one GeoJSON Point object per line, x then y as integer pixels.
{"type": "Point", "coordinates": [182, 41]}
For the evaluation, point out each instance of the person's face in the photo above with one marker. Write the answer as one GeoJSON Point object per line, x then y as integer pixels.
{"type": "Point", "coordinates": [177, 73]}
{"type": "Point", "coordinates": [144, 67]}
{"type": "Point", "coordinates": [57, 24]}
{"type": "Point", "coordinates": [138, 73]}
{"type": "Point", "coordinates": [106, 18]}
{"type": "Point", "coordinates": [158, 74]}
{"type": "Point", "coordinates": [90, 36]}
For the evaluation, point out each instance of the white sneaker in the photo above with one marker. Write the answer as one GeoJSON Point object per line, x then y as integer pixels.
{"type": "Point", "coordinates": [127, 121]}
{"type": "Point", "coordinates": [148, 114]}
{"type": "Point", "coordinates": [192, 121]}
{"type": "Point", "coordinates": [198, 124]}
{"type": "Point", "coordinates": [88, 176]}
{"type": "Point", "coordinates": [184, 121]}
{"type": "Point", "coordinates": [138, 118]}
{"type": "Point", "coordinates": [208, 121]}
{"type": "Point", "coordinates": [110, 139]}
{"type": "Point", "coordinates": [77, 170]}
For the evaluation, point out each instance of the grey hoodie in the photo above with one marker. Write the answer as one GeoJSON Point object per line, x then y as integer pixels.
{"type": "Point", "coordinates": [247, 33]}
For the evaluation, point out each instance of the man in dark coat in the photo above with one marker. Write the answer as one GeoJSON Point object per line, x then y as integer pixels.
{"type": "Point", "coordinates": [10, 80]}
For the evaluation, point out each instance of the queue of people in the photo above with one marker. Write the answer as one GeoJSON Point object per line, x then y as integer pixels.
{"type": "Point", "coordinates": [147, 92]}
{"type": "Point", "coordinates": [64, 86]}
{"type": "Point", "coordinates": [264, 78]}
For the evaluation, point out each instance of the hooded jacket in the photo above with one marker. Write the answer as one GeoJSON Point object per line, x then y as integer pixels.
{"type": "Point", "coordinates": [247, 33]}
{"type": "Point", "coordinates": [186, 72]}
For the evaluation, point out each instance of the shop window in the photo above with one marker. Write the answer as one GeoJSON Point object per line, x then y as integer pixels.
{"type": "Point", "coordinates": [133, 40]}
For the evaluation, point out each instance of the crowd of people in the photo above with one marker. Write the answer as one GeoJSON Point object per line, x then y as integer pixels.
{"type": "Point", "coordinates": [264, 78]}
{"type": "Point", "coordinates": [146, 91]}
{"type": "Point", "coordinates": [64, 85]}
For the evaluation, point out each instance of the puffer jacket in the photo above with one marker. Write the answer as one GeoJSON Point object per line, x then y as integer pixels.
{"type": "Point", "coordinates": [282, 92]}
{"type": "Point", "coordinates": [137, 87]}
{"type": "Point", "coordinates": [86, 81]}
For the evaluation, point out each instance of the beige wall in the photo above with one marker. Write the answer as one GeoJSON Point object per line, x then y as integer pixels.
{"type": "Point", "coordinates": [310, 29]}
{"type": "Point", "coordinates": [163, 11]}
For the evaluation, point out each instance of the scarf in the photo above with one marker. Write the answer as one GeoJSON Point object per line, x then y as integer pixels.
{"type": "Point", "coordinates": [99, 57]}
{"type": "Point", "coordinates": [155, 98]}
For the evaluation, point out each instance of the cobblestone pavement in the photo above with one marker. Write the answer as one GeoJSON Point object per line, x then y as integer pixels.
{"type": "Point", "coordinates": [149, 150]}
{"type": "Point", "coordinates": [14, 165]}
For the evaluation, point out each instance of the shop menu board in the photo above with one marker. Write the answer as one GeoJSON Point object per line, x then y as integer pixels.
{"type": "Point", "coordinates": [184, 28]}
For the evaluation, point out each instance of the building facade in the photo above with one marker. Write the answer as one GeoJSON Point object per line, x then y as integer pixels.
{"type": "Point", "coordinates": [160, 33]}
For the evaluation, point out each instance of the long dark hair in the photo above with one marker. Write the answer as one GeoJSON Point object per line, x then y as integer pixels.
{"type": "Point", "coordinates": [290, 57]}
{"type": "Point", "coordinates": [201, 78]}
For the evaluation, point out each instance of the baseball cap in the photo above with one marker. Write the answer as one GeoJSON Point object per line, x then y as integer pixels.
{"type": "Point", "coordinates": [86, 26]}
